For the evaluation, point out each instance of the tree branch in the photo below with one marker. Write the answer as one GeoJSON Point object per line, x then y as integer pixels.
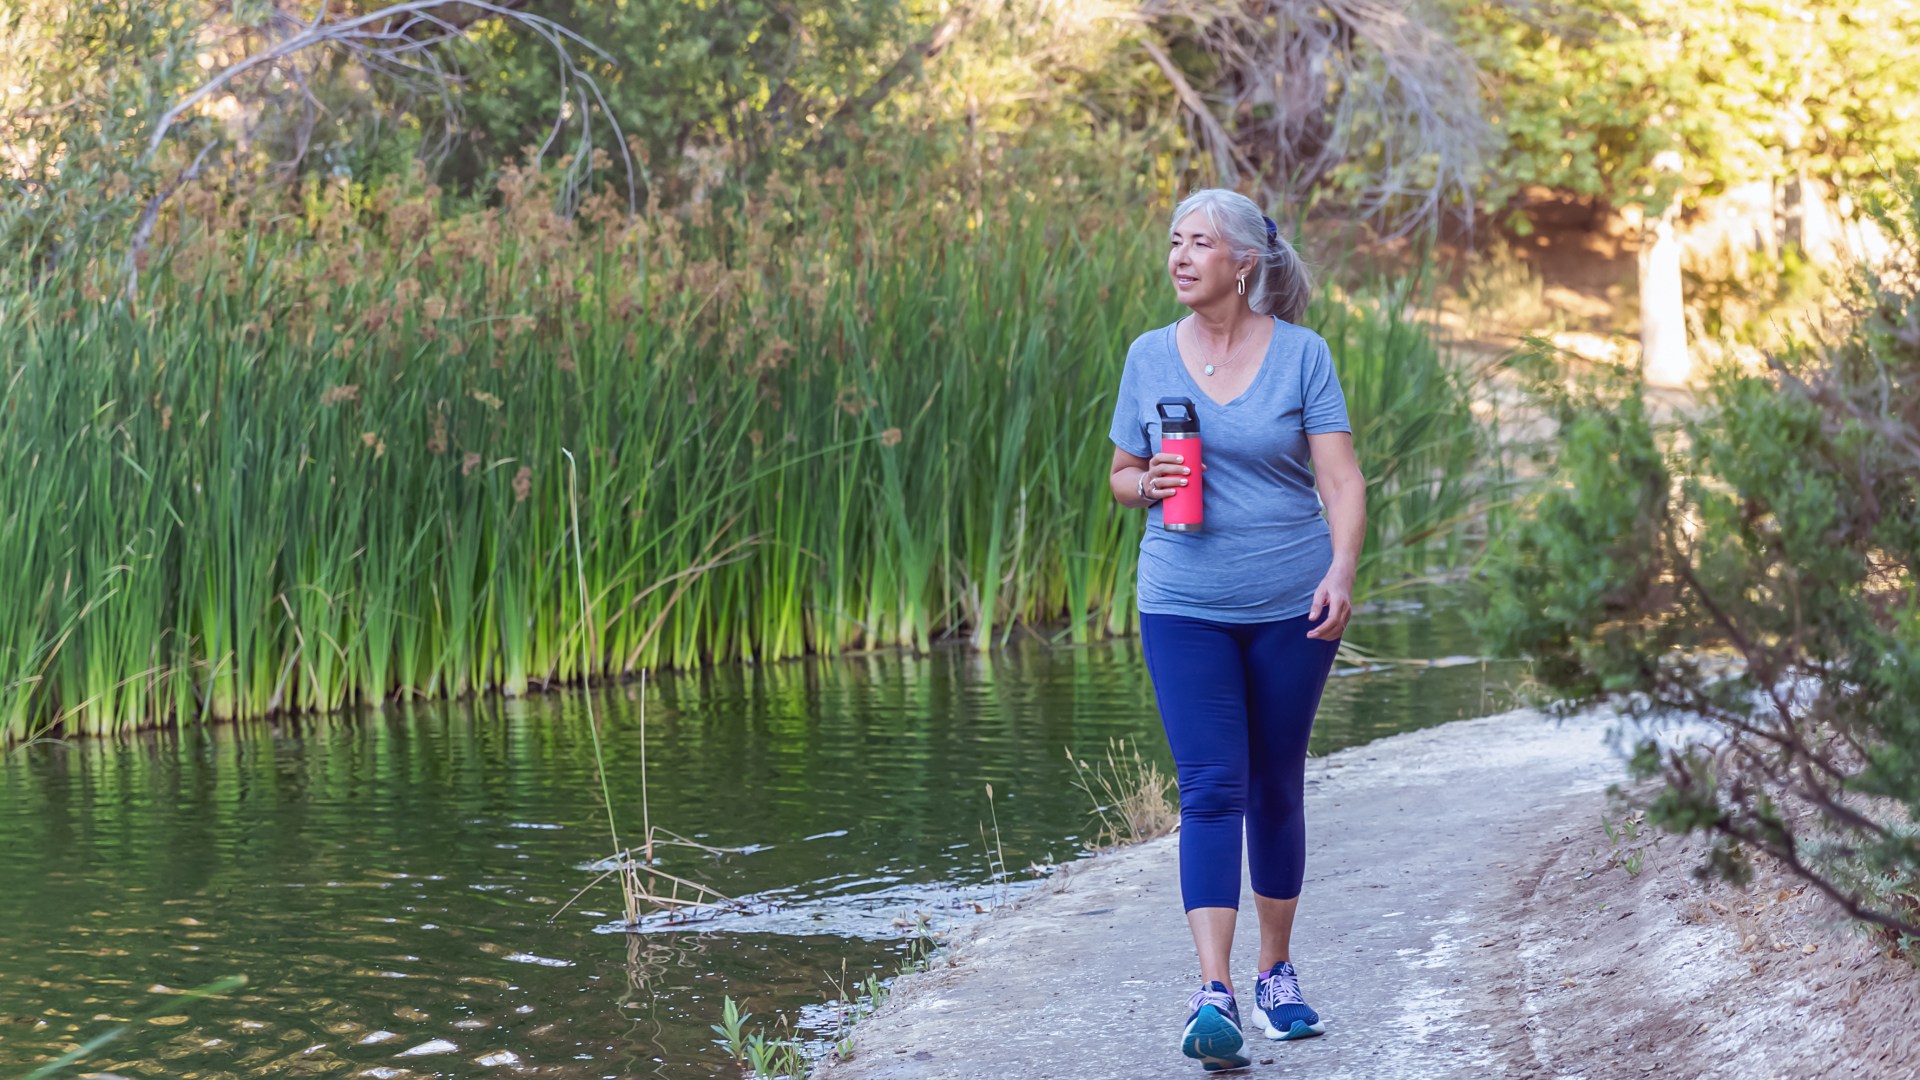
{"type": "Point", "coordinates": [1227, 160]}
{"type": "Point", "coordinates": [929, 47]}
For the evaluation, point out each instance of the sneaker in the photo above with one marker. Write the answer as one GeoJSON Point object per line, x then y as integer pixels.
{"type": "Point", "coordinates": [1278, 1004]}
{"type": "Point", "coordinates": [1213, 1030]}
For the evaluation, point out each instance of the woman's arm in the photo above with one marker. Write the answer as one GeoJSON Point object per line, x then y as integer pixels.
{"type": "Point", "coordinates": [1336, 473]}
{"type": "Point", "coordinates": [1125, 480]}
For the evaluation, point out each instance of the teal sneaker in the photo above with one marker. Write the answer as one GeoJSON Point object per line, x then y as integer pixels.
{"type": "Point", "coordinates": [1212, 1036]}
{"type": "Point", "coordinates": [1281, 1009]}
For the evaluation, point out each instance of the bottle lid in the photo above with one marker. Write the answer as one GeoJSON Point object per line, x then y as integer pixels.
{"type": "Point", "coordinates": [1181, 422]}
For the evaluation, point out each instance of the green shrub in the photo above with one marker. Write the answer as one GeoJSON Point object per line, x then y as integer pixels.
{"type": "Point", "coordinates": [1752, 566]}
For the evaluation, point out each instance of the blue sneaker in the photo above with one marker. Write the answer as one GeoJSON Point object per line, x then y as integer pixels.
{"type": "Point", "coordinates": [1278, 1004]}
{"type": "Point", "coordinates": [1213, 1030]}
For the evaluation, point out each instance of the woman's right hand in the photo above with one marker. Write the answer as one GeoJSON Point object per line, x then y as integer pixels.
{"type": "Point", "coordinates": [1166, 474]}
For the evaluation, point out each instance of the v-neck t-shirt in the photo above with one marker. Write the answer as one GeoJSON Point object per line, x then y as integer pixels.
{"type": "Point", "coordinates": [1264, 546]}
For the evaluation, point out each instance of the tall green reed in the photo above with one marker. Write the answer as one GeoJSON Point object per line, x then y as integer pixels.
{"type": "Point", "coordinates": [312, 463]}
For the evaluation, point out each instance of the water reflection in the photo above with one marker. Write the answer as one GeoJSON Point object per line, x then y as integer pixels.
{"type": "Point", "coordinates": [389, 883]}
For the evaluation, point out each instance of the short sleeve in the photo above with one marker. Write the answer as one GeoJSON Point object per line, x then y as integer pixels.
{"type": "Point", "coordinates": [1323, 406]}
{"type": "Point", "coordinates": [1126, 431]}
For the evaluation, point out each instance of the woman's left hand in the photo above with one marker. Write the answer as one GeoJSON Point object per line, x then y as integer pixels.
{"type": "Point", "coordinates": [1335, 597]}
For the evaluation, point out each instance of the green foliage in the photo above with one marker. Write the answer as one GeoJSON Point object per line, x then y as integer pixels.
{"type": "Point", "coordinates": [692, 75]}
{"type": "Point", "coordinates": [317, 460]}
{"type": "Point", "coordinates": [1753, 566]}
{"type": "Point", "coordinates": [78, 86]}
{"type": "Point", "coordinates": [1575, 87]}
{"type": "Point", "coordinates": [764, 1057]}
{"type": "Point", "coordinates": [1583, 554]}
{"type": "Point", "coordinates": [1760, 301]}
{"type": "Point", "coordinates": [1587, 92]}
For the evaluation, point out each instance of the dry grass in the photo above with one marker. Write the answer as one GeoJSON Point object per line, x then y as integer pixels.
{"type": "Point", "coordinates": [1131, 796]}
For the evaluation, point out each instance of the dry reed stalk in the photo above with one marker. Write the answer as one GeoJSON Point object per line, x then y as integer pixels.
{"type": "Point", "coordinates": [1131, 801]}
{"type": "Point", "coordinates": [629, 883]}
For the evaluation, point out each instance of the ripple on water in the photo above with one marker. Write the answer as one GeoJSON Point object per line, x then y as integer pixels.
{"type": "Point", "coordinates": [530, 958]}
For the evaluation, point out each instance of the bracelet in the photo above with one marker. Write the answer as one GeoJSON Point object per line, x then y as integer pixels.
{"type": "Point", "coordinates": [1140, 487]}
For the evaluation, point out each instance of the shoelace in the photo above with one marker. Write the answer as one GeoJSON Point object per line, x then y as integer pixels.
{"type": "Point", "coordinates": [1281, 989]}
{"type": "Point", "coordinates": [1207, 996]}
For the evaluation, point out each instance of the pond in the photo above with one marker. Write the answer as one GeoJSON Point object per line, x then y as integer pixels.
{"type": "Point", "coordinates": [392, 884]}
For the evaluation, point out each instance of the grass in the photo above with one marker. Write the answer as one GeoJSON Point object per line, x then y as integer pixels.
{"type": "Point", "coordinates": [1130, 794]}
{"type": "Point", "coordinates": [761, 1056]}
{"type": "Point", "coordinates": [315, 462]}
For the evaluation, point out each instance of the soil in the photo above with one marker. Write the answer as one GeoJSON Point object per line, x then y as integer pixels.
{"type": "Point", "coordinates": [1632, 966]}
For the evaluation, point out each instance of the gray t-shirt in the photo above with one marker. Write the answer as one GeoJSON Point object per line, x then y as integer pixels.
{"type": "Point", "coordinates": [1265, 546]}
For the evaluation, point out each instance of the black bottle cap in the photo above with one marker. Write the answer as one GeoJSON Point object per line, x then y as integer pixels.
{"type": "Point", "coordinates": [1184, 425]}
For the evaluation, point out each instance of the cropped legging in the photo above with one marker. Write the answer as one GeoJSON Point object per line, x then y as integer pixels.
{"type": "Point", "coordinates": [1237, 700]}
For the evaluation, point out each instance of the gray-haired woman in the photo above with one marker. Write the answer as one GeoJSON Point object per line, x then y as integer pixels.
{"type": "Point", "coordinates": [1240, 621]}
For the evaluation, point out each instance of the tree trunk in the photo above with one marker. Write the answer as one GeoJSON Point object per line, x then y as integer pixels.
{"type": "Point", "coordinates": [1663, 315]}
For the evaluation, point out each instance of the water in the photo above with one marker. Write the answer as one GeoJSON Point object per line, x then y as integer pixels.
{"type": "Point", "coordinates": [392, 884]}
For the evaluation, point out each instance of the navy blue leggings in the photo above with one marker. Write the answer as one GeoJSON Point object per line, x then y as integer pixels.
{"type": "Point", "coordinates": [1237, 700]}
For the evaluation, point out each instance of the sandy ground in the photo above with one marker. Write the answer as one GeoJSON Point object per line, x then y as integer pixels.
{"type": "Point", "coordinates": [1633, 967]}
{"type": "Point", "coordinates": [1465, 914]}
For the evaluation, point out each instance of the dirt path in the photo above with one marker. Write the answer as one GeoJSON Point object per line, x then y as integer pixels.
{"type": "Point", "coordinates": [1464, 915]}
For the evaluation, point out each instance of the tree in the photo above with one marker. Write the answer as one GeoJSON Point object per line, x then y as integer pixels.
{"type": "Point", "coordinates": [1366, 106]}
{"type": "Point", "coordinates": [1753, 568]}
{"type": "Point", "coordinates": [1588, 93]}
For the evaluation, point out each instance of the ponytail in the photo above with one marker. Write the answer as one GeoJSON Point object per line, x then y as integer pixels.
{"type": "Point", "coordinates": [1285, 285]}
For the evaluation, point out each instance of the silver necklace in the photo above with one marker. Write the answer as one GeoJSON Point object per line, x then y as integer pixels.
{"type": "Point", "coordinates": [1210, 368]}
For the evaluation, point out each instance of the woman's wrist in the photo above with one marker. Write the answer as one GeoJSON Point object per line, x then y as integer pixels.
{"type": "Point", "coordinates": [1140, 487]}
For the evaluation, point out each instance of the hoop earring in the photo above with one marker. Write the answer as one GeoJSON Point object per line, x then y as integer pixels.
{"type": "Point", "coordinates": [1243, 284]}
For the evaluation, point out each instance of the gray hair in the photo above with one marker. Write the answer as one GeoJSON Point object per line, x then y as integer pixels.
{"type": "Point", "coordinates": [1281, 285]}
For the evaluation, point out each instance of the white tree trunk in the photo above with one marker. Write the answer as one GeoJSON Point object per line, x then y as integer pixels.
{"type": "Point", "coordinates": [1664, 360]}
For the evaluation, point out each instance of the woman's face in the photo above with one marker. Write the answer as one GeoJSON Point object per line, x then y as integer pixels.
{"type": "Point", "coordinates": [1202, 268]}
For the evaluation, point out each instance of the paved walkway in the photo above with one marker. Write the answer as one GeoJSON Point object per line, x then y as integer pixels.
{"type": "Point", "coordinates": [1421, 846]}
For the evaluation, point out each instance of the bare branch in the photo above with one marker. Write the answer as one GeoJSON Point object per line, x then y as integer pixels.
{"type": "Point", "coordinates": [143, 231]}
{"type": "Point", "coordinates": [403, 42]}
{"type": "Point", "coordinates": [1226, 156]}
{"type": "Point", "coordinates": [1311, 86]}
{"type": "Point", "coordinates": [926, 49]}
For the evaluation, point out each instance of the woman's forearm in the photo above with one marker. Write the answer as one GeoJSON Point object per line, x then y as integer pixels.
{"type": "Point", "coordinates": [1125, 484]}
{"type": "Point", "coordinates": [1347, 518]}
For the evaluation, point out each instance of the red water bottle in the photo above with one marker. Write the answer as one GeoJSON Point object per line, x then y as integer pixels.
{"type": "Point", "coordinates": [1184, 510]}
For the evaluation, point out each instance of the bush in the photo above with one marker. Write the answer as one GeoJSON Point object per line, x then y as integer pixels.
{"type": "Point", "coordinates": [1752, 566]}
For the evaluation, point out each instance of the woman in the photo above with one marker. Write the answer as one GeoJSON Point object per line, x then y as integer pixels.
{"type": "Point", "coordinates": [1240, 620]}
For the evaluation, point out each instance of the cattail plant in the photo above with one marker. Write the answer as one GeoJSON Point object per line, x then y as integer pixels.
{"type": "Point", "coordinates": [317, 464]}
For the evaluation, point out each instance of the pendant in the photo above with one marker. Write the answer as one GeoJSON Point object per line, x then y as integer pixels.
{"type": "Point", "coordinates": [1209, 369]}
